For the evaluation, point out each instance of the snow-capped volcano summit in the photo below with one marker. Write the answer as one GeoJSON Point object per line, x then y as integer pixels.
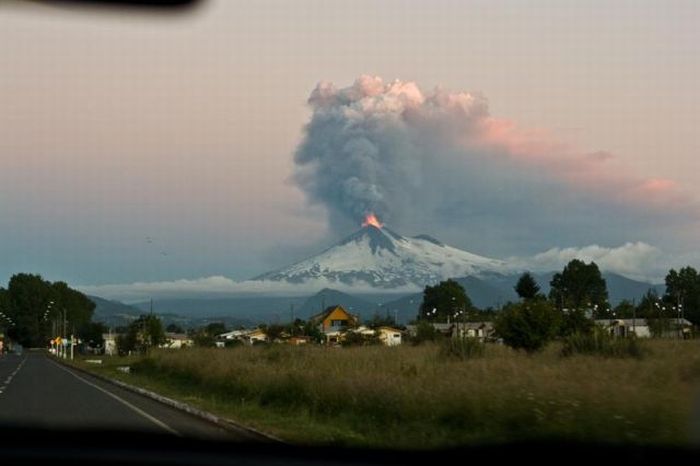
{"type": "Point", "coordinates": [384, 259]}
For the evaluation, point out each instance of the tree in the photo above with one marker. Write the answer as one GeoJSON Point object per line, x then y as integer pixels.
{"type": "Point", "coordinates": [575, 321]}
{"type": "Point", "coordinates": [527, 287]}
{"type": "Point", "coordinates": [446, 300]}
{"type": "Point", "coordinates": [529, 325]}
{"type": "Point", "coordinates": [625, 310]}
{"type": "Point", "coordinates": [379, 321]}
{"type": "Point", "coordinates": [40, 308]}
{"type": "Point", "coordinates": [174, 328]}
{"type": "Point", "coordinates": [274, 332]}
{"type": "Point", "coordinates": [312, 331]}
{"type": "Point", "coordinates": [647, 307]}
{"type": "Point", "coordinates": [425, 332]}
{"type": "Point", "coordinates": [579, 286]}
{"type": "Point", "coordinates": [206, 336]}
{"type": "Point", "coordinates": [358, 339]}
{"type": "Point", "coordinates": [144, 333]}
{"type": "Point", "coordinates": [216, 328]}
{"type": "Point", "coordinates": [91, 334]}
{"type": "Point", "coordinates": [683, 291]}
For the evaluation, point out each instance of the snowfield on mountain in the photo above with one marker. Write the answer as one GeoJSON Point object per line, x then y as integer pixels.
{"type": "Point", "coordinates": [385, 259]}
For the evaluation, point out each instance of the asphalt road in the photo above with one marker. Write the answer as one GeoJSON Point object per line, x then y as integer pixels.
{"type": "Point", "coordinates": [37, 392]}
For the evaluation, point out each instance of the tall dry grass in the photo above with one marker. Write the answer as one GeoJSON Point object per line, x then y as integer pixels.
{"type": "Point", "coordinates": [414, 397]}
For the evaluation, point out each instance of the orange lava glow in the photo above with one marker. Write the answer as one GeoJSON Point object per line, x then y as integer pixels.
{"type": "Point", "coordinates": [372, 219]}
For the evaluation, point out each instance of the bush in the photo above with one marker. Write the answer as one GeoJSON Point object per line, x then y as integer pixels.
{"type": "Point", "coordinates": [575, 321]}
{"type": "Point", "coordinates": [357, 339]}
{"type": "Point", "coordinates": [528, 326]}
{"type": "Point", "coordinates": [424, 332]}
{"type": "Point", "coordinates": [462, 348]}
{"type": "Point", "coordinates": [601, 343]}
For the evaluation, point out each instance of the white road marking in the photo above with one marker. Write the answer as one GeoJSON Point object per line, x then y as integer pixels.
{"type": "Point", "coordinates": [14, 372]}
{"type": "Point", "coordinates": [137, 410]}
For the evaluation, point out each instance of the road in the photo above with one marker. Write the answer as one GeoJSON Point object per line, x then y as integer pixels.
{"type": "Point", "coordinates": [37, 392]}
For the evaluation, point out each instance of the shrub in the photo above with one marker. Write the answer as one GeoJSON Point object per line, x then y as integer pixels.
{"type": "Point", "coordinates": [528, 326]}
{"type": "Point", "coordinates": [424, 332]}
{"type": "Point", "coordinates": [462, 348]}
{"type": "Point", "coordinates": [575, 321]}
{"type": "Point", "coordinates": [601, 343]}
{"type": "Point", "coordinates": [358, 339]}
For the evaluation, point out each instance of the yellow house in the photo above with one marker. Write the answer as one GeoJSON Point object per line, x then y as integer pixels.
{"type": "Point", "coordinates": [255, 336]}
{"type": "Point", "coordinates": [334, 318]}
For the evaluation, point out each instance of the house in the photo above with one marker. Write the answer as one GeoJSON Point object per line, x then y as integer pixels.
{"type": "Point", "coordinates": [232, 335]}
{"type": "Point", "coordinates": [481, 330]}
{"type": "Point", "coordinates": [669, 328]}
{"type": "Point", "coordinates": [334, 337]}
{"type": "Point", "coordinates": [255, 336]}
{"type": "Point", "coordinates": [334, 318]}
{"type": "Point", "coordinates": [246, 336]}
{"type": "Point", "coordinates": [299, 340]}
{"type": "Point", "coordinates": [177, 341]}
{"type": "Point", "coordinates": [389, 336]}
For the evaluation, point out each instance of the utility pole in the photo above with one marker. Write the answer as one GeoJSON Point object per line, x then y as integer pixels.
{"type": "Point", "coordinates": [65, 324]}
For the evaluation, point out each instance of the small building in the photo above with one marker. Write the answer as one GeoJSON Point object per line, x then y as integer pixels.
{"type": "Point", "coordinates": [177, 341]}
{"type": "Point", "coordinates": [233, 335]}
{"type": "Point", "coordinates": [642, 328]}
{"type": "Point", "coordinates": [481, 330]}
{"type": "Point", "coordinates": [334, 318]}
{"type": "Point", "coordinates": [334, 337]}
{"type": "Point", "coordinates": [389, 336]}
{"type": "Point", "coordinates": [247, 336]}
{"type": "Point", "coordinates": [110, 345]}
{"type": "Point", "coordinates": [255, 336]}
{"type": "Point", "coordinates": [299, 340]}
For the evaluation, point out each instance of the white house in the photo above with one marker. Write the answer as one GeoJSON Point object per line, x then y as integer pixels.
{"type": "Point", "coordinates": [233, 335]}
{"type": "Point", "coordinates": [673, 328]}
{"type": "Point", "coordinates": [247, 336]}
{"type": "Point", "coordinates": [480, 330]}
{"type": "Point", "coordinates": [389, 336]}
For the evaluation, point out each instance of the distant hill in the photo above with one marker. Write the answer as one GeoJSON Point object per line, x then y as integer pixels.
{"type": "Point", "coordinates": [252, 310]}
{"type": "Point", "coordinates": [113, 313]}
{"type": "Point", "coordinates": [117, 314]}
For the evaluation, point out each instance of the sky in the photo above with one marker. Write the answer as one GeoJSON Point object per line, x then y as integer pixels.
{"type": "Point", "coordinates": [142, 147]}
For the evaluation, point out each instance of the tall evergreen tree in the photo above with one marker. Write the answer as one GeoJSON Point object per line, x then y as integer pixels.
{"type": "Point", "coordinates": [527, 287]}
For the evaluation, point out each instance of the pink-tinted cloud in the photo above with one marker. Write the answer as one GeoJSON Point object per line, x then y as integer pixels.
{"type": "Point", "coordinates": [426, 158]}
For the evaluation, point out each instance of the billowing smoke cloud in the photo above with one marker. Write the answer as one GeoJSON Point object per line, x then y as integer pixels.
{"type": "Point", "coordinates": [438, 162]}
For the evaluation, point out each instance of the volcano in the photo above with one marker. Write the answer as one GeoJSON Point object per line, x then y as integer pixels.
{"type": "Point", "coordinates": [383, 259]}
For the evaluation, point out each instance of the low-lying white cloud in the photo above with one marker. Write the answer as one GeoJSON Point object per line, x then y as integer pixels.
{"type": "Point", "coordinates": [635, 260]}
{"type": "Point", "coordinates": [638, 260]}
{"type": "Point", "coordinates": [217, 286]}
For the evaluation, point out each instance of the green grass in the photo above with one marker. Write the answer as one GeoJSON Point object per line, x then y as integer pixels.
{"type": "Point", "coordinates": [417, 397]}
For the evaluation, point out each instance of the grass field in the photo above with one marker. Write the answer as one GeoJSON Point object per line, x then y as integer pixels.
{"type": "Point", "coordinates": [413, 397]}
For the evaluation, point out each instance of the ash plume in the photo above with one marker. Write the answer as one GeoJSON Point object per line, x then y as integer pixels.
{"type": "Point", "coordinates": [438, 161]}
